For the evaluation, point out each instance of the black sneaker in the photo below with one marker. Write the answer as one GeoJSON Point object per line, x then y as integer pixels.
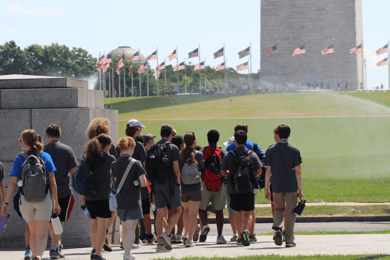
{"type": "Point", "coordinates": [121, 246]}
{"type": "Point", "coordinates": [245, 238]}
{"type": "Point", "coordinates": [98, 257]}
{"type": "Point", "coordinates": [56, 254]}
{"type": "Point", "coordinates": [107, 246]}
{"type": "Point", "coordinates": [291, 245]}
{"type": "Point", "coordinates": [278, 237]}
{"type": "Point", "coordinates": [239, 242]}
{"type": "Point", "coordinates": [150, 239]}
{"type": "Point", "coordinates": [203, 235]}
{"type": "Point", "coordinates": [93, 253]}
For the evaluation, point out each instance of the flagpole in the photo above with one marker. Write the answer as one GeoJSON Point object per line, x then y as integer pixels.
{"type": "Point", "coordinates": [100, 74]}
{"type": "Point", "coordinates": [388, 61]}
{"type": "Point", "coordinates": [224, 71]}
{"type": "Point", "coordinates": [109, 81]}
{"type": "Point", "coordinates": [205, 75]}
{"type": "Point", "coordinates": [334, 63]}
{"type": "Point", "coordinates": [147, 82]}
{"type": "Point", "coordinates": [165, 63]}
{"type": "Point", "coordinates": [139, 74]}
{"type": "Point", "coordinates": [200, 73]}
{"type": "Point", "coordinates": [305, 63]}
{"type": "Point", "coordinates": [112, 80]}
{"type": "Point", "coordinates": [185, 76]}
{"type": "Point", "coordinates": [132, 79]}
{"type": "Point", "coordinates": [124, 74]}
{"type": "Point", "coordinates": [158, 93]}
{"type": "Point", "coordinates": [119, 84]}
{"type": "Point", "coordinates": [248, 73]}
{"type": "Point", "coordinates": [250, 55]}
{"type": "Point", "coordinates": [177, 70]}
{"type": "Point", "coordinates": [362, 67]}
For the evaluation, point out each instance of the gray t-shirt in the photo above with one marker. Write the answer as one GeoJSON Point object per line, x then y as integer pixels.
{"type": "Point", "coordinates": [64, 160]}
{"type": "Point", "coordinates": [130, 195]}
{"type": "Point", "coordinates": [102, 179]}
{"type": "Point", "coordinates": [1, 172]}
{"type": "Point", "coordinates": [194, 187]}
{"type": "Point", "coordinates": [283, 158]}
{"type": "Point", "coordinates": [173, 155]}
{"type": "Point", "coordinates": [228, 162]}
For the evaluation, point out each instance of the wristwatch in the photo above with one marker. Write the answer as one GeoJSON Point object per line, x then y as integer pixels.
{"type": "Point", "coordinates": [5, 203]}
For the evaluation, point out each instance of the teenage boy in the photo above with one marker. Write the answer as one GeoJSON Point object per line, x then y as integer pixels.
{"type": "Point", "coordinates": [241, 166]}
{"type": "Point", "coordinates": [213, 156]}
{"type": "Point", "coordinates": [249, 146]}
{"type": "Point", "coordinates": [65, 162]}
{"type": "Point", "coordinates": [284, 161]}
{"type": "Point", "coordinates": [148, 140]}
{"type": "Point", "coordinates": [167, 191]}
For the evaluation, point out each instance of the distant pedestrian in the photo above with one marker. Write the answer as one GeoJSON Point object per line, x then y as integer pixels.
{"type": "Point", "coordinates": [65, 162]}
{"type": "Point", "coordinates": [129, 198]}
{"type": "Point", "coordinates": [284, 161]}
{"type": "Point", "coordinates": [37, 214]}
{"type": "Point", "coordinates": [231, 99]}
{"type": "Point", "coordinates": [346, 85]}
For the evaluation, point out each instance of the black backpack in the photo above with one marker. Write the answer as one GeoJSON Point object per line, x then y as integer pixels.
{"type": "Point", "coordinates": [260, 181]}
{"type": "Point", "coordinates": [156, 163]}
{"type": "Point", "coordinates": [242, 179]}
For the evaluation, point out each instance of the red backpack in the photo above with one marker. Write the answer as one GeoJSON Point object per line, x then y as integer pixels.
{"type": "Point", "coordinates": [212, 159]}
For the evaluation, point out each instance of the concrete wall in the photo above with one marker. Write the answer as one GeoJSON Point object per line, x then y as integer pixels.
{"type": "Point", "coordinates": [69, 104]}
{"type": "Point", "coordinates": [322, 23]}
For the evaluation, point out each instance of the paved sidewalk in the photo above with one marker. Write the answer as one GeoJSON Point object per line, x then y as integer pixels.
{"type": "Point", "coordinates": [306, 245]}
{"type": "Point", "coordinates": [345, 204]}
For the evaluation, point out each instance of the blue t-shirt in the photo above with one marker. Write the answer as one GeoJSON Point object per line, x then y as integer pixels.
{"type": "Point", "coordinates": [248, 145]}
{"type": "Point", "coordinates": [19, 160]}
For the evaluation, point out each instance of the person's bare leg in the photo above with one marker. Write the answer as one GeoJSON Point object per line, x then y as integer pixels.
{"type": "Point", "coordinates": [273, 208]}
{"type": "Point", "coordinates": [203, 217]}
{"type": "Point", "coordinates": [94, 228]}
{"type": "Point", "coordinates": [41, 234]}
{"type": "Point", "coordinates": [252, 223]}
{"type": "Point", "coordinates": [239, 224]}
{"type": "Point", "coordinates": [233, 223]}
{"type": "Point", "coordinates": [180, 224]}
{"type": "Point", "coordinates": [27, 235]}
{"type": "Point", "coordinates": [246, 215]}
{"type": "Point", "coordinates": [170, 212]}
{"type": "Point", "coordinates": [130, 234]}
{"type": "Point", "coordinates": [161, 213]}
{"type": "Point", "coordinates": [125, 242]}
{"type": "Point", "coordinates": [110, 221]}
{"type": "Point", "coordinates": [101, 234]}
{"type": "Point", "coordinates": [173, 219]}
{"type": "Point", "coordinates": [148, 224]}
{"type": "Point", "coordinates": [219, 219]}
{"type": "Point", "coordinates": [33, 237]}
{"type": "Point", "coordinates": [55, 239]}
{"type": "Point", "coordinates": [186, 217]}
{"type": "Point", "coordinates": [193, 217]}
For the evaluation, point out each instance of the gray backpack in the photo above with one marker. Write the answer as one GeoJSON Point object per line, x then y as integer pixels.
{"type": "Point", "coordinates": [190, 174]}
{"type": "Point", "coordinates": [35, 182]}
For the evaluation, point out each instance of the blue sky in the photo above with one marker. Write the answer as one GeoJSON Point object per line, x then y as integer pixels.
{"type": "Point", "coordinates": [99, 26]}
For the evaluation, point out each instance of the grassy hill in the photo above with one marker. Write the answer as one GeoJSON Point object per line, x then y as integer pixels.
{"type": "Point", "coordinates": [343, 138]}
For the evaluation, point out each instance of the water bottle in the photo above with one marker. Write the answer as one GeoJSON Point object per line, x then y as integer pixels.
{"type": "Point", "coordinates": [3, 223]}
{"type": "Point", "coordinates": [85, 209]}
{"type": "Point", "coordinates": [153, 207]}
{"type": "Point", "coordinates": [55, 221]}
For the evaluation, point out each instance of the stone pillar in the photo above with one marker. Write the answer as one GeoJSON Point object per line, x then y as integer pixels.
{"type": "Point", "coordinates": [36, 102]}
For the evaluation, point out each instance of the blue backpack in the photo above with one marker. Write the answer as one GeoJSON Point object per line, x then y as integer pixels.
{"type": "Point", "coordinates": [82, 180]}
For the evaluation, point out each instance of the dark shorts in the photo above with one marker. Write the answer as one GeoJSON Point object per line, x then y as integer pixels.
{"type": "Point", "coordinates": [64, 205]}
{"type": "Point", "coordinates": [129, 214]}
{"type": "Point", "coordinates": [164, 197]}
{"type": "Point", "coordinates": [146, 207]}
{"type": "Point", "coordinates": [242, 202]}
{"type": "Point", "coordinates": [16, 202]}
{"type": "Point", "coordinates": [191, 196]}
{"type": "Point", "coordinates": [98, 208]}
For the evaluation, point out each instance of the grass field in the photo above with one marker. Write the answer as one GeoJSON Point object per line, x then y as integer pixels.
{"type": "Point", "coordinates": [269, 257]}
{"type": "Point", "coordinates": [344, 139]}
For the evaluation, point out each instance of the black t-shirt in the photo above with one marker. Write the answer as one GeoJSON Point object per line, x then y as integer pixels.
{"type": "Point", "coordinates": [173, 155]}
{"type": "Point", "coordinates": [102, 179]}
{"type": "Point", "coordinates": [130, 195]}
{"type": "Point", "coordinates": [114, 151]}
{"type": "Point", "coordinates": [64, 160]}
{"type": "Point", "coordinates": [283, 158]}
{"type": "Point", "coordinates": [1, 172]}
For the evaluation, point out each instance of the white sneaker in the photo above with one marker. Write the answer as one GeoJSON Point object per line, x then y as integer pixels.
{"type": "Point", "coordinates": [162, 249]}
{"type": "Point", "coordinates": [167, 242]}
{"type": "Point", "coordinates": [190, 243]}
{"type": "Point", "coordinates": [128, 257]}
{"type": "Point", "coordinates": [234, 238]}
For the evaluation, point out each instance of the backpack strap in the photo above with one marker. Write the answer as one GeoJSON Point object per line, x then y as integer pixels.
{"type": "Point", "coordinates": [255, 147]}
{"type": "Point", "coordinates": [125, 176]}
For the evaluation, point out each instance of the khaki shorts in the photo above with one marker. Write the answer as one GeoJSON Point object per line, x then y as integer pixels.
{"type": "Point", "coordinates": [218, 199]}
{"type": "Point", "coordinates": [36, 210]}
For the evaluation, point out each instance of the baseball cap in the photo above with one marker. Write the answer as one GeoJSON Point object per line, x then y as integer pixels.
{"type": "Point", "coordinates": [147, 137]}
{"type": "Point", "coordinates": [135, 122]}
{"type": "Point", "coordinates": [229, 142]}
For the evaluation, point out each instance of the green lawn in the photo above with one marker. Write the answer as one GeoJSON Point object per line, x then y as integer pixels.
{"type": "Point", "coordinates": [271, 257]}
{"type": "Point", "coordinates": [382, 98]}
{"type": "Point", "coordinates": [344, 142]}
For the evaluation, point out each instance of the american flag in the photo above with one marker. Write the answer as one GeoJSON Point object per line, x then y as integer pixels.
{"type": "Point", "coordinates": [179, 67]}
{"type": "Point", "coordinates": [271, 51]}
{"type": "Point", "coordinates": [161, 66]}
{"type": "Point", "coordinates": [199, 66]}
{"type": "Point", "coordinates": [108, 60]}
{"type": "Point", "coordinates": [143, 67]}
{"type": "Point", "coordinates": [382, 62]}
{"type": "Point", "coordinates": [244, 53]}
{"type": "Point", "coordinates": [194, 53]}
{"type": "Point", "coordinates": [356, 50]}
{"type": "Point", "coordinates": [152, 56]}
{"type": "Point", "coordinates": [105, 67]}
{"type": "Point", "coordinates": [220, 66]}
{"type": "Point", "coordinates": [299, 51]}
{"type": "Point", "coordinates": [135, 57]}
{"type": "Point", "coordinates": [219, 53]}
{"type": "Point", "coordinates": [121, 63]}
{"type": "Point", "coordinates": [328, 50]}
{"type": "Point", "coordinates": [172, 55]}
{"type": "Point", "coordinates": [384, 49]}
{"type": "Point", "coordinates": [243, 66]}
{"type": "Point", "coordinates": [130, 69]}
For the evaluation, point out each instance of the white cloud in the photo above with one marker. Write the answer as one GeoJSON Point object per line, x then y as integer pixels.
{"type": "Point", "coordinates": [37, 12]}
{"type": "Point", "coordinates": [10, 30]}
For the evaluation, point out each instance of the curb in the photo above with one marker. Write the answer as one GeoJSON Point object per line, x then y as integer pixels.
{"type": "Point", "coordinates": [318, 219]}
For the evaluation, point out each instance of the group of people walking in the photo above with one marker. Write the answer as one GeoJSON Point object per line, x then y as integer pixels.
{"type": "Point", "coordinates": [174, 179]}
